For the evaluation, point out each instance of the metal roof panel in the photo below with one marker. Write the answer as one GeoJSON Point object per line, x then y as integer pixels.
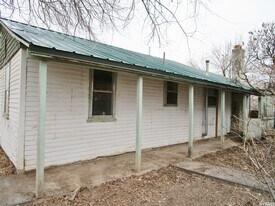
{"type": "Point", "coordinates": [59, 41]}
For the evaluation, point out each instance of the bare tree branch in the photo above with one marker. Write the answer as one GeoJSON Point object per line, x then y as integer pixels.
{"type": "Point", "coordinates": [89, 15]}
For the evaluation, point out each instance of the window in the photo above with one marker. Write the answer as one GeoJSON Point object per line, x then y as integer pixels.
{"type": "Point", "coordinates": [170, 94]}
{"type": "Point", "coordinates": [212, 97]}
{"type": "Point", "coordinates": [102, 95]}
{"type": "Point", "coordinates": [7, 91]}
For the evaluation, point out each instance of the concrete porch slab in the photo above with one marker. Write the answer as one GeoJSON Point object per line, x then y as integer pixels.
{"type": "Point", "coordinates": [17, 189]}
{"type": "Point", "coordinates": [223, 173]}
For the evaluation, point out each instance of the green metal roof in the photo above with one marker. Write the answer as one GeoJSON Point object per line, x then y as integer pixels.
{"type": "Point", "coordinates": [74, 45]}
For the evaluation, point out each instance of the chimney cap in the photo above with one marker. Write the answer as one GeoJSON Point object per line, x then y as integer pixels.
{"type": "Point", "coordinates": [237, 46]}
{"type": "Point", "coordinates": [207, 61]}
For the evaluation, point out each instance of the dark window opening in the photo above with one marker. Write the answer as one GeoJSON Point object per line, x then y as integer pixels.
{"type": "Point", "coordinates": [102, 94]}
{"type": "Point", "coordinates": [212, 101]}
{"type": "Point", "coordinates": [212, 97]}
{"type": "Point", "coordinates": [171, 93]}
{"type": "Point", "coordinates": [254, 114]}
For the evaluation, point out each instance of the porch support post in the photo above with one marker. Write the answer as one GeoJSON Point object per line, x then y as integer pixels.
{"type": "Point", "coordinates": [41, 129]}
{"type": "Point", "coordinates": [21, 115]}
{"type": "Point", "coordinates": [244, 116]}
{"type": "Point", "coordinates": [139, 122]}
{"type": "Point", "coordinates": [191, 120]}
{"type": "Point", "coordinates": [222, 117]}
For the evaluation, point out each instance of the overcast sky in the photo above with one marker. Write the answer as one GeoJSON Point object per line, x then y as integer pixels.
{"type": "Point", "coordinates": [237, 18]}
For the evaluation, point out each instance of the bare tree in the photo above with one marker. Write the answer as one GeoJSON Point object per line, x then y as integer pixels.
{"type": "Point", "coordinates": [221, 58]}
{"type": "Point", "coordinates": [260, 70]}
{"type": "Point", "coordinates": [197, 62]}
{"type": "Point", "coordinates": [88, 15]}
{"type": "Point", "coordinates": [261, 153]}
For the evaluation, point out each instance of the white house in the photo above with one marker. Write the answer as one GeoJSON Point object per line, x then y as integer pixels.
{"type": "Point", "coordinates": [73, 99]}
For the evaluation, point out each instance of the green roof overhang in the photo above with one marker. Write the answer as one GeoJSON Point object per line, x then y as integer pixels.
{"type": "Point", "coordinates": [54, 54]}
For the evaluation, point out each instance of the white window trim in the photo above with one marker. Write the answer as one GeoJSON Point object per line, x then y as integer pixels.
{"type": "Point", "coordinates": [101, 118]}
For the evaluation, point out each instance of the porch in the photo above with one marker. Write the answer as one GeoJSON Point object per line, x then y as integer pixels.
{"type": "Point", "coordinates": [63, 179]}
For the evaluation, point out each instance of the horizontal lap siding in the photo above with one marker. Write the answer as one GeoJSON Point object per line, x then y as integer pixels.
{"type": "Point", "coordinates": [163, 125]}
{"type": "Point", "coordinates": [228, 111]}
{"type": "Point", "coordinates": [198, 112]}
{"type": "Point", "coordinates": [168, 125]}
{"type": "Point", "coordinates": [9, 128]}
{"type": "Point", "coordinates": [2, 93]}
{"type": "Point", "coordinates": [69, 137]}
{"type": "Point", "coordinates": [227, 118]}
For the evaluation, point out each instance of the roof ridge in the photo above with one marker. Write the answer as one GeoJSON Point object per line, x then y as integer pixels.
{"type": "Point", "coordinates": [47, 29]}
{"type": "Point", "coordinates": [70, 35]}
{"type": "Point", "coordinates": [105, 51]}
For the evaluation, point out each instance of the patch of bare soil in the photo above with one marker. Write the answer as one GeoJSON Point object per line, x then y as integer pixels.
{"type": "Point", "coordinates": [167, 186]}
{"type": "Point", "coordinates": [6, 167]}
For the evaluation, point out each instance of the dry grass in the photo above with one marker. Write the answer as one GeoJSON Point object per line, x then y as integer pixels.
{"type": "Point", "coordinates": [6, 166]}
{"type": "Point", "coordinates": [239, 158]}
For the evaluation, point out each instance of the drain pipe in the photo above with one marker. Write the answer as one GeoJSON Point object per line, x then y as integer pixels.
{"type": "Point", "coordinates": [206, 104]}
{"type": "Point", "coordinates": [205, 113]}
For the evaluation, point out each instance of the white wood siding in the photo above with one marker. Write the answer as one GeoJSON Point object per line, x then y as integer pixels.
{"type": "Point", "coordinates": [227, 119]}
{"type": "Point", "coordinates": [228, 103]}
{"type": "Point", "coordinates": [9, 127]}
{"type": "Point", "coordinates": [69, 137]}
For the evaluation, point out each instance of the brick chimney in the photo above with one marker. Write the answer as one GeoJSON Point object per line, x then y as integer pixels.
{"type": "Point", "coordinates": [238, 60]}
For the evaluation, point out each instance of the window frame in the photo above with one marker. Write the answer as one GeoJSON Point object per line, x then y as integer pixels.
{"type": "Point", "coordinates": [212, 93]}
{"type": "Point", "coordinates": [7, 91]}
{"type": "Point", "coordinates": [101, 118]}
{"type": "Point", "coordinates": [165, 92]}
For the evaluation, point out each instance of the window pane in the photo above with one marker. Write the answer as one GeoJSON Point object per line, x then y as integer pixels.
{"type": "Point", "coordinates": [212, 101]}
{"type": "Point", "coordinates": [172, 98]}
{"type": "Point", "coordinates": [172, 86]}
{"type": "Point", "coordinates": [102, 103]}
{"type": "Point", "coordinates": [103, 80]}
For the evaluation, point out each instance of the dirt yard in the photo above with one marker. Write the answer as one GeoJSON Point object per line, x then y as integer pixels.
{"type": "Point", "coordinates": [232, 157]}
{"type": "Point", "coordinates": [167, 186]}
{"type": "Point", "coordinates": [6, 167]}
{"type": "Point", "coordinates": [237, 158]}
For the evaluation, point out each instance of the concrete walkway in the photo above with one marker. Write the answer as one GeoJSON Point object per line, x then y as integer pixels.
{"type": "Point", "coordinates": [223, 173]}
{"type": "Point", "coordinates": [17, 189]}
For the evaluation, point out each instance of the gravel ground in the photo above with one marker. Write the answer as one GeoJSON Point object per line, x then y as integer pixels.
{"type": "Point", "coordinates": [6, 167]}
{"type": "Point", "coordinates": [167, 186]}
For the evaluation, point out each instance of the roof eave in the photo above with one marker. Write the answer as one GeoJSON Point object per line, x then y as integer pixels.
{"type": "Point", "coordinates": [52, 53]}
